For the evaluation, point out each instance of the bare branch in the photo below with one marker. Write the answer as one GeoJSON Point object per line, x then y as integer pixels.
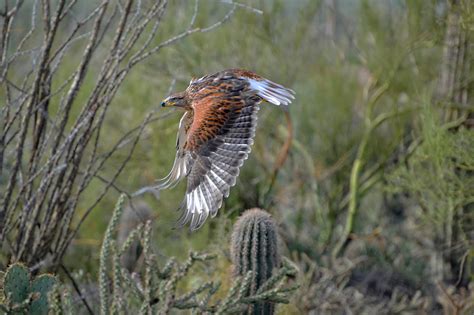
{"type": "Point", "coordinates": [50, 154]}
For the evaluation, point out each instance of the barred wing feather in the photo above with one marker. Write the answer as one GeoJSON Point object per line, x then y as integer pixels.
{"type": "Point", "coordinates": [217, 164]}
{"type": "Point", "coordinates": [183, 160]}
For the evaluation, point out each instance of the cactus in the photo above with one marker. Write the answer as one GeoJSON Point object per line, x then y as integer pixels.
{"type": "Point", "coordinates": [130, 221]}
{"type": "Point", "coordinates": [42, 284]}
{"type": "Point", "coordinates": [155, 288]}
{"type": "Point", "coordinates": [22, 295]}
{"type": "Point", "coordinates": [16, 284]}
{"type": "Point", "coordinates": [254, 247]}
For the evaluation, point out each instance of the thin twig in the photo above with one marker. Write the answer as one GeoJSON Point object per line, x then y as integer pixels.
{"type": "Point", "coordinates": [78, 290]}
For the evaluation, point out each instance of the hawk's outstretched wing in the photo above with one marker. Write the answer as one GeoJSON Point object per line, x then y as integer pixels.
{"type": "Point", "coordinates": [183, 160]}
{"type": "Point", "coordinates": [218, 154]}
{"type": "Point", "coordinates": [219, 139]}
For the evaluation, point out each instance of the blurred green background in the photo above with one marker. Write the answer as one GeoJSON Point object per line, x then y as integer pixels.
{"type": "Point", "coordinates": [351, 63]}
{"type": "Point", "coordinates": [335, 55]}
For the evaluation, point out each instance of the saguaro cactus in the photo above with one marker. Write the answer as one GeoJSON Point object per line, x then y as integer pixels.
{"type": "Point", "coordinates": [254, 247]}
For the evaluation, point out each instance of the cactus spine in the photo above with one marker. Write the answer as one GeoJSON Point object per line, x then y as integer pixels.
{"type": "Point", "coordinates": [254, 247]}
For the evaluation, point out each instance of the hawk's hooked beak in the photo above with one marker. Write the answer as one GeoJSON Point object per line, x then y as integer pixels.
{"type": "Point", "coordinates": [167, 103]}
{"type": "Point", "coordinates": [173, 101]}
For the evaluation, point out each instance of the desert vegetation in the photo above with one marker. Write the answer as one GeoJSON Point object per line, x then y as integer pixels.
{"type": "Point", "coordinates": [361, 197]}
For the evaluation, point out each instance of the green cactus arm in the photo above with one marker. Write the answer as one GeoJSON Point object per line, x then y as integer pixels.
{"type": "Point", "coordinates": [117, 299]}
{"type": "Point", "coordinates": [131, 238]}
{"type": "Point", "coordinates": [224, 305]}
{"type": "Point", "coordinates": [131, 285]}
{"type": "Point", "coordinates": [205, 301]}
{"type": "Point", "coordinates": [285, 271]}
{"type": "Point", "coordinates": [193, 293]}
{"type": "Point", "coordinates": [105, 255]}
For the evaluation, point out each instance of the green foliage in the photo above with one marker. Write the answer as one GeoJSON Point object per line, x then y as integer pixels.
{"type": "Point", "coordinates": [438, 177]}
{"type": "Point", "coordinates": [21, 295]}
{"type": "Point", "coordinates": [254, 248]}
{"type": "Point", "coordinates": [438, 174]}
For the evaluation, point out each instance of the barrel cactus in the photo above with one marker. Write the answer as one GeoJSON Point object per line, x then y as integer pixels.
{"type": "Point", "coordinates": [254, 247]}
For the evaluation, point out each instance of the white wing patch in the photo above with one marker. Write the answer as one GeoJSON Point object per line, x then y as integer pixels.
{"type": "Point", "coordinates": [272, 92]}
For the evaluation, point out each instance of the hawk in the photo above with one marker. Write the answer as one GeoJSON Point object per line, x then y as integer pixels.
{"type": "Point", "coordinates": [215, 136]}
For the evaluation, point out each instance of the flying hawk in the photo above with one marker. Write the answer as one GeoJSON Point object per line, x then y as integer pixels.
{"type": "Point", "coordinates": [215, 136]}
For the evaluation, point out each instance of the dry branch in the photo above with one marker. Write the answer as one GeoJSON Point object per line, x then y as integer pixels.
{"type": "Point", "coordinates": [50, 139]}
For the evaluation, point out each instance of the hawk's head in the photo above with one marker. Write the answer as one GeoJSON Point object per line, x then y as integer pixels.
{"type": "Point", "coordinates": [177, 100]}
